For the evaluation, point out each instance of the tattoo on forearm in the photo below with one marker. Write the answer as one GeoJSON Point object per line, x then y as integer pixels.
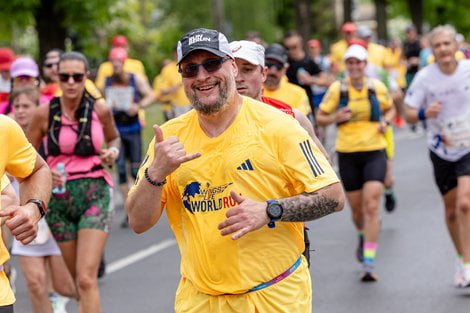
{"type": "Point", "coordinates": [307, 207]}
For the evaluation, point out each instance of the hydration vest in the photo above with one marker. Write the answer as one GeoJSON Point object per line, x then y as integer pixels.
{"type": "Point", "coordinates": [121, 117]}
{"type": "Point", "coordinates": [375, 111]}
{"type": "Point", "coordinates": [84, 145]}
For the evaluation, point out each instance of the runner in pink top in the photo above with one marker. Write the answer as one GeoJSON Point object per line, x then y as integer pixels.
{"type": "Point", "coordinates": [74, 128]}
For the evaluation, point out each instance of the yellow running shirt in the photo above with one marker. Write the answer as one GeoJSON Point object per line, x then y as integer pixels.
{"type": "Point", "coordinates": [18, 158]}
{"type": "Point", "coordinates": [293, 95]}
{"type": "Point", "coordinates": [358, 134]}
{"type": "Point", "coordinates": [264, 154]}
{"type": "Point", "coordinates": [170, 78]}
{"type": "Point", "coordinates": [337, 51]}
{"type": "Point", "coordinates": [130, 66]}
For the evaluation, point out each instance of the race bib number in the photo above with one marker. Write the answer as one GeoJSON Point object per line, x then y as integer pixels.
{"type": "Point", "coordinates": [119, 98]}
{"type": "Point", "coordinates": [456, 131]}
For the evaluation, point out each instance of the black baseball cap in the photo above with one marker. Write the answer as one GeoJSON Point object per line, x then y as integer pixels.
{"type": "Point", "coordinates": [203, 39]}
{"type": "Point", "coordinates": [276, 52]}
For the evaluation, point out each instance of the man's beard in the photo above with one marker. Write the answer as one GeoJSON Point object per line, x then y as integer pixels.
{"type": "Point", "coordinates": [272, 82]}
{"type": "Point", "coordinates": [221, 102]}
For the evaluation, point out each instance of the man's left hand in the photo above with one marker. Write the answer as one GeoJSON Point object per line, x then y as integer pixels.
{"type": "Point", "coordinates": [22, 221]}
{"type": "Point", "coordinates": [247, 216]}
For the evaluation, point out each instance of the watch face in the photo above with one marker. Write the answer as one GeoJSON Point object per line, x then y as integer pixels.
{"type": "Point", "coordinates": [275, 210]}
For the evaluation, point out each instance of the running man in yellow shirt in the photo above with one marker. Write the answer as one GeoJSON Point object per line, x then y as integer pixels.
{"type": "Point", "coordinates": [20, 159]}
{"type": "Point", "coordinates": [277, 86]}
{"type": "Point", "coordinates": [237, 179]}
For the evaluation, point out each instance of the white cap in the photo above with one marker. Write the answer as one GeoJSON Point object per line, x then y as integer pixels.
{"type": "Point", "coordinates": [249, 51]}
{"type": "Point", "coordinates": [356, 51]}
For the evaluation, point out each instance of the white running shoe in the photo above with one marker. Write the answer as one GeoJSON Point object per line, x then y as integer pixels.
{"type": "Point", "coordinates": [458, 276]}
{"type": "Point", "coordinates": [58, 302]}
{"type": "Point", "coordinates": [466, 278]}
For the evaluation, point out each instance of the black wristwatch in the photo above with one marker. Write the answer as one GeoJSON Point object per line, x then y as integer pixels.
{"type": "Point", "coordinates": [274, 211]}
{"type": "Point", "coordinates": [41, 206]}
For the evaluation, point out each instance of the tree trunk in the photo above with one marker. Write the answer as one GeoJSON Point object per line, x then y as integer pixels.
{"type": "Point", "coordinates": [219, 16]}
{"type": "Point", "coordinates": [381, 17]}
{"type": "Point", "coordinates": [303, 18]}
{"type": "Point", "coordinates": [50, 28]}
{"type": "Point", "coordinates": [416, 12]}
{"type": "Point", "coordinates": [347, 11]}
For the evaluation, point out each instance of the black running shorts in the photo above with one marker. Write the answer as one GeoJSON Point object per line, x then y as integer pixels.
{"type": "Point", "coordinates": [446, 172]}
{"type": "Point", "coordinates": [357, 168]}
{"type": "Point", "coordinates": [6, 309]}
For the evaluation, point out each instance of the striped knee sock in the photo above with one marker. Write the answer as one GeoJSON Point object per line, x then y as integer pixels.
{"type": "Point", "coordinates": [370, 249]}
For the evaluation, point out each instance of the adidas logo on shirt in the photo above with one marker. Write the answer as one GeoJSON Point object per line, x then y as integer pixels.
{"type": "Point", "coordinates": [245, 166]}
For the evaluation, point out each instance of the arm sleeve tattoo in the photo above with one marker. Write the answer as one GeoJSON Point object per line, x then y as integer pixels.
{"type": "Point", "coordinates": [307, 207]}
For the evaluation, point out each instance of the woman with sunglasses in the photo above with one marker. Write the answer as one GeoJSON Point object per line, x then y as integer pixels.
{"type": "Point", "coordinates": [41, 262]}
{"type": "Point", "coordinates": [75, 127]}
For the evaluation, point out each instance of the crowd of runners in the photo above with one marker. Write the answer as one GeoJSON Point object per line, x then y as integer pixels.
{"type": "Point", "coordinates": [232, 109]}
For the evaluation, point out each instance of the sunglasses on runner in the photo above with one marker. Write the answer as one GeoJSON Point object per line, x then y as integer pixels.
{"type": "Point", "coordinates": [49, 65]}
{"type": "Point", "coordinates": [24, 78]}
{"type": "Point", "coordinates": [211, 66]}
{"type": "Point", "coordinates": [278, 66]}
{"type": "Point", "coordinates": [77, 77]}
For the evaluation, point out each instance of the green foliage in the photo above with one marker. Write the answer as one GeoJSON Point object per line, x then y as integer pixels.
{"type": "Point", "coordinates": [152, 27]}
{"type": "Point", "coordinates": [436, 12]}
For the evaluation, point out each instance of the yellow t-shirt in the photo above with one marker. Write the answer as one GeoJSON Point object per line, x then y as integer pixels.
{"type": "Point", "coordinates": [18, 158]}
{"type": "Point", "coordinates": [264, 154]}
{"type": "Point", "coordinates": [358, 134]}
{"type": "Point", "coordinates": [168, 78]}
{"type": "Point", "coordinates": [293, 95]}
{"type": "Point", "coordinates": [130, 66]}
{"type": "Point", "coordinates": [376, 54]}
{"type": "Point", "coordinates": [337, 51]}
{"type": "Point", "coordinates": [393, 62]}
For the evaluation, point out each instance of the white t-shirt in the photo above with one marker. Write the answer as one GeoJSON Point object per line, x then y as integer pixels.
{"type": "Point", "coordinates": [453, 122]}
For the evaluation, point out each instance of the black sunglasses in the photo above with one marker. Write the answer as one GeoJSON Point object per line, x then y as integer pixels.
{"type": "Point", "coordinates": [77, 77]}
{"type": "Point", "coordinates": [278, 66]}
{"type": "Point", "coordinates": [49, 65]}
{"type": "Point", "coordinates": [211, 66]}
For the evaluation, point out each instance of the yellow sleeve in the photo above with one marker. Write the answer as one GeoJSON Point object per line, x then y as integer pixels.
{"type": "Point", "coordinates": [303, 163]}
{"type": "Point", "coordinates": [134, 66]}
{"type": "Point", "coordinates": [305, 104]}
{"type": "Point", "coordinates": [331, 99]}
{"type": "Point", "coordinates": [105, 69]}
{"type": "Point", "coordinates": [91, 88]}
{"type": "Point", "coordinates": [21, 155]}
{"type": "Point", "coordinates": [383, 95]}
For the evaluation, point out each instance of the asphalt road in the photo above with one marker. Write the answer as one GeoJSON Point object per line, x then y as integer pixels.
{"type": "Point", "coordinates": [415, 261]}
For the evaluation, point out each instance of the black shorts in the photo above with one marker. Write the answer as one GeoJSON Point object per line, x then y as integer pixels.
{"type": "Point", "coordinates": [6, 309]}
{"type": "Point", "coordinates": [356, 168]}
{"type": "Point", "coordinates": [446, 172]}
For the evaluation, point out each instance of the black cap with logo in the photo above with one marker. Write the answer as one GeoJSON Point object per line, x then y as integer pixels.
{"type": "Point", "coordinates": [276, 52]}
{"type": "Point", "coordinates": [203, 39]}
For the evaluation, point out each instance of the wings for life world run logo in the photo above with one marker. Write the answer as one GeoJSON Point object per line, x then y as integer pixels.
{"type": "Point", "coordinates": [201, 199]}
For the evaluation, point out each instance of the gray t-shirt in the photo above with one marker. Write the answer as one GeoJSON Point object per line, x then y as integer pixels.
{"type": "Point", "coordinates": [453, 122]}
